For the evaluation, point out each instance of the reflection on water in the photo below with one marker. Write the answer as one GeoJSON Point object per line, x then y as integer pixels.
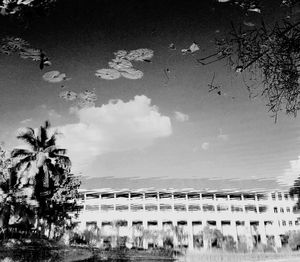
{"type": "Point", "coordinates": [32, 259]}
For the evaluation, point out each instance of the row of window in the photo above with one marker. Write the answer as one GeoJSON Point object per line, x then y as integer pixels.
{"type": "Point", "coordinates": [179, 195]}
{"type": "Point", "coordinates": [194, 223]}
{"type": "Point", "coordinates": [281, 209]}
{"type": "Point", "coordinates": [183, 207]}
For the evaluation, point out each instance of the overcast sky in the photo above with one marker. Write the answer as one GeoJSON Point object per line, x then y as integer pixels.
{"type": "Point", "coordinates": [163, 125]}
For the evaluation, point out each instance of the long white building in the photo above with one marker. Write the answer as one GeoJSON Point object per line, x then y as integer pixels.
{"type": "Point", "coordinates": [262, 216]}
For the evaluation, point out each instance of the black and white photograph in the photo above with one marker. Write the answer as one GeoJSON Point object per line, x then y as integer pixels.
{"type": "Point", "coordinates": [149, 130]}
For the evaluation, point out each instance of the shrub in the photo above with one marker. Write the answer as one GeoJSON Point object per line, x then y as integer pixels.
{"type": "Point", "coordinates": [294, 240]}
{"type": "Point", "coordinates": [229, 244]}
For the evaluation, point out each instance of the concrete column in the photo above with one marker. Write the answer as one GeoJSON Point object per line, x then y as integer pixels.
{"type": "Point", "coordinates": [145, 227]}
{"type": "Point", "coordinates": [277, 241]}
{"type": "Point", "coordinates": [248, 235]}
{"type": "Point", "coordinates": [277, 238]}
{"type": "Point", "coordinates": [190, 235]}
{"type": "Point", "coordinates": [262, 232]}
{"type": "Point", "coordinates": [233, 230]}
{"type": "Point", "coordinates": [219, 225]}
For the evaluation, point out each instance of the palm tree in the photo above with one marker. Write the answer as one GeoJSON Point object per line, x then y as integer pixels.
{"type": "Point", "coordinates": [44, 165]}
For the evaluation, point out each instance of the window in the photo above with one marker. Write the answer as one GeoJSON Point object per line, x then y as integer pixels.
{"type": "Point", "coordinates": [222, 208]}
{"type": "Point", "coordinates": [151, 207]}
{"type": "Point", "coordinates": [91, 223]}
{"type": "Point", "coordinates": [283, 223]}
{"type": "Point", "coordinates": [262, 209]}
{"type": "Point", "coordinates": [235, 197]}
{"type": "Point", "coordinates": [207, 196]}
{"type": "Point", "coordinates": [163, 195]}
{"type": "Point", "coordinates": [208, 208]}
{"type": "Point", "coordinates": [179, 207]}
{"type": "Point", "coordinates": [151, 195]}
{"type": "Point", "coordinates": [107, 196]}
{"type": "Point", "coordinates": [122, 196]}
{"type": "Point", "coordinates": [221, 196]}
{"type": "Point", "coordinates": [286, 196]}
{"type": "Point", "coordinates": [292, 197]}
{"type": "Point", "coordinates": [121, 207]}
{"type": "Point", "coordinates": [107, 207]}
{"type": "Point", "coordinates": [179, 196]}
{"type": "Point", "coordinates": [249, 197]}
{"type": "Point", "coordinates": [236, 208]}
{"type": "Point", "coordinates": [194, 196]}
{"type": "Point", "coordinates": [92, 207]}
{"type": "Point", "coordinates": [164, 207]}
{"type": "Point", "coordinates": [273, 196]}
{"type": "Point", "coordinates": [194, 208]}
{"type": "Point", "coordinates": [281, 210]}
{"type": "Point", "coordinates": [275, 210]}
{"type": "Point", "coordinates": [250, 208]}
{"type": "Point", "coordinates": [290, 223]}
{"type": "Point", "coordinates": [92, 196]}
{"type": "Point", "coordinates": [136, 196]}
{"type": "Point", "coordinates": [288, 210]}
{"type": "Point", "coordinates": [279, 196]}
{"type": "Point", "coordinates": [136, 207]}
{"type": "Point", "coordinates": [262, 197]}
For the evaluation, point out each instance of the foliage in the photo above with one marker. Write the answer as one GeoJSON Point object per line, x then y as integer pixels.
{"type": "Point", "coordinates": [229, 244]}
{"type": "Point", "coordinates": [20, 8]}
{"type": "Point", "coordinates": [294, 240]}
{"type": "Point", "coordinates": [37, 184]}
{"type": "Point", "coordinates": [267, 55]}
{"type": "Point", "coordinates": [213, 237]}
{"type": "Point", "coordinates": [295, 190]}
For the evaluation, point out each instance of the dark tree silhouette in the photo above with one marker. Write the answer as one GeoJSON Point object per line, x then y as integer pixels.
{"type": "Point", "coordinates": [47, 169]}
{"type": "Point", "coordinates": [267, 56]}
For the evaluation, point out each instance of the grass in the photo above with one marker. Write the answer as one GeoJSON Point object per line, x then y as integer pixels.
{"type": "Point", "coordinates": [217, 256]}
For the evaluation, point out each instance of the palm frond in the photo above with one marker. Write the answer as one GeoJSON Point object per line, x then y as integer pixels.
{"type": "Point", "coordinates": [43, 135]}
{"type": "Point", "coordinates": [64, 159]}
{"type": "Point", "coordinates": [52, 140]}
{"type": "Point", "coordinates": [29, 138]}
{"type": "Point", "coordinates": [24, 161]}
{"type": "Point", "coordinates": [50, 149]}
{"type": "Point", "coordinates": [18, 152]}
{"type": "Point", "coordinates": [58, 152]}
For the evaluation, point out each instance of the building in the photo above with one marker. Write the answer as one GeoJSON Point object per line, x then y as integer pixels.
{"type": "Point", "coordinates": [258, 216]}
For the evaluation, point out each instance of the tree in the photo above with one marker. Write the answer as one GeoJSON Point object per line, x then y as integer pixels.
{"type": "Point", "coordinates": [47, 169]}
{"type": "Point", "coordinates": [14, 200]}
{"type": "Point", "coordinates": [295, 190]}
{"type": "Point", "coordinates": [20, 8]}
{"type": "Point", "coordinates": [212, 237]}
{"type": "Point", "coordinates": [267, 56]}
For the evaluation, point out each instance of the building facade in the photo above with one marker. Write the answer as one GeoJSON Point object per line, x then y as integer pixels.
{"type": "Point", "coordinates": [258, 216]}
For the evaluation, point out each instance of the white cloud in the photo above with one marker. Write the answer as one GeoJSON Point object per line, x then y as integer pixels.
{"type": "Point", "coordinates": [290, 174]}
{"type": "Point", "coordinates": [222, 136]}
{"type": "Point", "coordinates": [113, 127]}
{"type": "Point", "coordinates": [25, 121]}
{"type": "Point", "coordinates": [205, 146]}
{"type": "Point", "coordinates": [53, 114]}
{"type": "Point", "coordinates": [181, 117]}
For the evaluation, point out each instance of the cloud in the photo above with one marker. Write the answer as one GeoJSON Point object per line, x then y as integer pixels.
{"type": "Point", "coordinates": [290, 174]}
{"type": "Point", "coordinates": [52, 113]}
{"type": "Point", "coordinates": [205, 146]}
{"type": "Point", "coordinates": [25, 121]}
{"type": "Point", "coordinates": [113, 127]}
{"type": "Point", "coordinates": [181, 117]}
{"type": "Point", "coordinates": [222, 136]}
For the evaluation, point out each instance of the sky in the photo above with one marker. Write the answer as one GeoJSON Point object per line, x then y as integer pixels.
{"type": "Point", "coordinates": [163, 129]}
